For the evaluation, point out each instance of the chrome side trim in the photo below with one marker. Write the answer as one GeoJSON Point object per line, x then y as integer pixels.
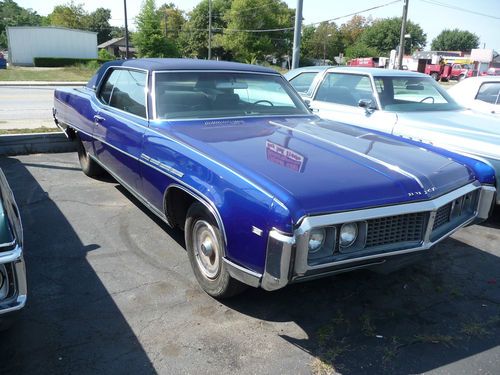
{"type": "Point", "coordinates": [162, 165]}
{"type": "Point", "coordinates": [133, 192]}
{"type": "Point", "coordinates": [12, 255]}
{"type": "Point", "coordinates": [7, 244]}
{"type": "Point", "coordinates": [242, 274]}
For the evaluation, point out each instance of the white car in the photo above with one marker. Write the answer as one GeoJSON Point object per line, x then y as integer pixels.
{"type": "Point", "coordinates": [479, 94]}
{"type": "Point", "coordinates": [408, 104]}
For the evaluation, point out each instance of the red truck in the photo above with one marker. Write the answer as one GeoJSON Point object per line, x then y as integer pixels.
{"type": "Point", "coordinates": [445, 72]}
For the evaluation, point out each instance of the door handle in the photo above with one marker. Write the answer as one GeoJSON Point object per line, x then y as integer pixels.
{"type": "Point", "coordinates": [98, 119]}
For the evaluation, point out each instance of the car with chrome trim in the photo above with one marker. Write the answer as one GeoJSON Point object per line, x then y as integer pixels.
{"type": "Point", "coordinates": [266, 192]}
{"type": "Point", "coordinates": [13, 287]}
{"type": "Point", "coordinates": [407, 104]}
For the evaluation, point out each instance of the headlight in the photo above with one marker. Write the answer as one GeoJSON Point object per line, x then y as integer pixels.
{"type": "Point", "coordinates": [348, 234]}
{"type": "Point", "coordinates": [316, 239]}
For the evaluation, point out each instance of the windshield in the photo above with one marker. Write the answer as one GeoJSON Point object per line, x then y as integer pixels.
{"type": "Point", "coordinates": [405, 94]}
{"type": "Point", "coordinates": [193, 95]}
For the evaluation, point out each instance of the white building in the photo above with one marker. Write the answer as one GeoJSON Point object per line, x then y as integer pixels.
{"type": "Point", "coordinates": [27, 42]}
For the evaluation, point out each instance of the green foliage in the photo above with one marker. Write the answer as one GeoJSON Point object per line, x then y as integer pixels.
{"type": "Point", "coordinates": [194, 36]}
{"type": "Point", "coordinates": [69, 15]}
{"type": "Point", "coordinates": [12, 14]}
{"type": "Point", "coordinates": [64, 61]}
{"type": "Point", "coordinates": [323, 42]}
{"type": "Point", "coordinates": [383, 35]}
{"type": "Point", "coordinates": [74, 16]}
{"type": "Point", "coordinates": [98, 21]}
{"type": "Point", "coordinates": [105, 55]}
{"type": "Point", "coordinates": [360, 49]}
{"type": "Point", "coordinates": [455, 40]}
{"type": "Point", "coordinates": [149, 39]}
{"type": "Point", "coordinates": [257, 15]}
{"type": "Point", "coordinates": [352, 30]}
{"type": "Point", "coordinates": [172, 20]}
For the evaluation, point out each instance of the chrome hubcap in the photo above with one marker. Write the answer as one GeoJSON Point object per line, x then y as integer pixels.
{"type": "Point", "coordinates": [206, 249]}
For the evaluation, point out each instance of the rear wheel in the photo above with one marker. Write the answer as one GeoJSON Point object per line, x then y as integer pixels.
{"type": "Point", "coordinates": [205, 248]}
{"type": "Point", "coordinates": [461, 77]}
{"type": "Point", "coordinates": [435, 76]}
{"type": "Point", "coordinates": [89, 166]}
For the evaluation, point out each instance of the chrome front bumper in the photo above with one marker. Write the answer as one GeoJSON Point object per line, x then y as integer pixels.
{"type": "Point", "coordinates": [13, 262]}
{"type": "Point", "coordinates": [287, 255]}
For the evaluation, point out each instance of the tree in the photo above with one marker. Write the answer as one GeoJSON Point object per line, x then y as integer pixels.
{"type": "Point", "coordinates": [194, 35]}
{"type": "Point", "coordinates": [323, 42]}
{"type": "Point", "coordinates": [455, 40]}
{"type": "Point", "coordinates": [12, 14]}
{"type": "Point", "coordinates": [257, 15]}
{"type": "Point", "coordinates": [352, 30]}
{"type": "Point", "coordinates": [98, 21]}
{"type": "Point", "coordinates": [69, 15]}
{"type": "Point", "coordinates": [172, 20]}
{"type": "Point", "coordinates": [360, 49]}
{"type": "Point", "coordinates": [149, 39]}
{"type": "Point", "coordinates": [383, 35]}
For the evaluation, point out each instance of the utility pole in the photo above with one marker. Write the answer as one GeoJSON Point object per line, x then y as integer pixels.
{"type": "Point", "coordinates": [210, 29]}
{"type": "Point", "coordinates": [297, 35]}
{"type": "Point", "coordinates": [402, 35]}
{"type": "Point", "coordinates": [126, 29]}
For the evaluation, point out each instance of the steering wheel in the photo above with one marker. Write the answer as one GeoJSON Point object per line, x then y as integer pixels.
{"type": "Point", "coordinates": [427, 97]}
{"type": "Point", "coordinates": [264, 101]}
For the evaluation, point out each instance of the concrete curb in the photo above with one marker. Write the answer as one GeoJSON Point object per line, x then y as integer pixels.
{"type": "Point", "coordinates": [39, 83]}
{"type": "Point", "coordinates": [35, 143]}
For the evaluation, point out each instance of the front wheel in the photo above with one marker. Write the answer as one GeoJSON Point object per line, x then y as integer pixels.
{"type": "Point", "coordinates": [89, 166]}
{"type": "Point", "coordinates": [435, 76]}
{"type": "Point", "coordinates": [205, 248]}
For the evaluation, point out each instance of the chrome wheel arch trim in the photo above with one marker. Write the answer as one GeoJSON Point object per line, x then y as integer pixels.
{"type": "Point", "coordinates": [201, 198]}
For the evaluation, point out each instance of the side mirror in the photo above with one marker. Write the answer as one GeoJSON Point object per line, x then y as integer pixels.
{"type": "Point", "coordinates": [367, 104]}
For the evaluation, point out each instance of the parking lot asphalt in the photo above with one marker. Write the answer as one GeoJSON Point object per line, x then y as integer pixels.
{"type": "Point", "coordinates": [111, 292]}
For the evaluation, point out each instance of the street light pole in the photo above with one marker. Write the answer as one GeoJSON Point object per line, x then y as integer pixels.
{"type": "Point", "coordinates": [210, 29]}
{"type": "Point", "coordinates": [126, 28]}
{"type": "Point", "coordinates": [402, 35]}
{"type": "Point", "coordinates": [297, 33]}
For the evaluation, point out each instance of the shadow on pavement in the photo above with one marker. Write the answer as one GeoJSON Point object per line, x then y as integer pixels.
{"type": "Point", "coordinates": [71, 323]}
{"type": "Point", "coordinates": [420, 318]}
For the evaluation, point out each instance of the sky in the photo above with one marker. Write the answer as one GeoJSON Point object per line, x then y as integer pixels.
{"type": "Point", "coordinates": [431, 17]}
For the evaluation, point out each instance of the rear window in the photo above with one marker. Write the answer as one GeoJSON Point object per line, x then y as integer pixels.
{"type": "Point", "coordinates": [489, 92]}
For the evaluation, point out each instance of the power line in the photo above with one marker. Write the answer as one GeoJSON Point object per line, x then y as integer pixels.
{"type": "Point", "coordinates": [434, 2]}
{"type": "Point", "coordinates": [355, 13]}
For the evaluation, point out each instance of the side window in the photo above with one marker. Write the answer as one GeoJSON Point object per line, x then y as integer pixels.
{"type": "Point", "coordinates": [346, 89]}
{"type": "Point", "coordinates": [107, 87]}
{"type": "Point", "coordinates": [129, 92]}
{"type": "Point", "coordinates": [489, 92]}
{"type": "Point", "coordinates": [303, 81]}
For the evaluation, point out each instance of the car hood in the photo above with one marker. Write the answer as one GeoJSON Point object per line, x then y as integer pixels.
{"type": "Point", "coordinates": [316, 166]}
{"type": "Point", "coordinates": [463, 130]}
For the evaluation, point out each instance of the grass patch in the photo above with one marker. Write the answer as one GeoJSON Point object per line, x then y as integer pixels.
{"type": "Point", "coordinates": [367, 326]}
{"type": "Point", "coordinates": [474, 329]}
{"type": "Point", "coordinates": [29, 131]}
{"type": "Point", "coordinates": [74, 73]}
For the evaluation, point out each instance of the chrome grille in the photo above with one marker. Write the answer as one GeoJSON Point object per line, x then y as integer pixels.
{"type": "Point", "coordinates": [395, 229]}
{"type": "Point", "coordinates": [442, 216]}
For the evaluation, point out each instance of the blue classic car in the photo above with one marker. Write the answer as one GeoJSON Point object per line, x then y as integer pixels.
{"type": "Point", "coordinates": [13, 290]}
{"type": "Point", "coordinates": [266, 192]}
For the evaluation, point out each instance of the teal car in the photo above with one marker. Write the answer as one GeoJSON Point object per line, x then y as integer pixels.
{"type": "Point", "coordinates": [13, 288]}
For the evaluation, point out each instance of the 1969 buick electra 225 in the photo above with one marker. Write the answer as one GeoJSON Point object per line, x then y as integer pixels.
{"type": "Point", "coordinates": [266, 192]}
{"type": "Point", "coordinates": [12, 271]}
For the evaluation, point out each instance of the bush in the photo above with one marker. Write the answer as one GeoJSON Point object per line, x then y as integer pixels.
{"type": "Point", "coordinates": [50, 62]}
{"type": "Point", "coordinates": [105, 55]}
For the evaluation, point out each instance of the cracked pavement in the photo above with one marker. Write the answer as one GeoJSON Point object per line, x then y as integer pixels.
{"type": "Point", "coordinates": [111, 291]}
